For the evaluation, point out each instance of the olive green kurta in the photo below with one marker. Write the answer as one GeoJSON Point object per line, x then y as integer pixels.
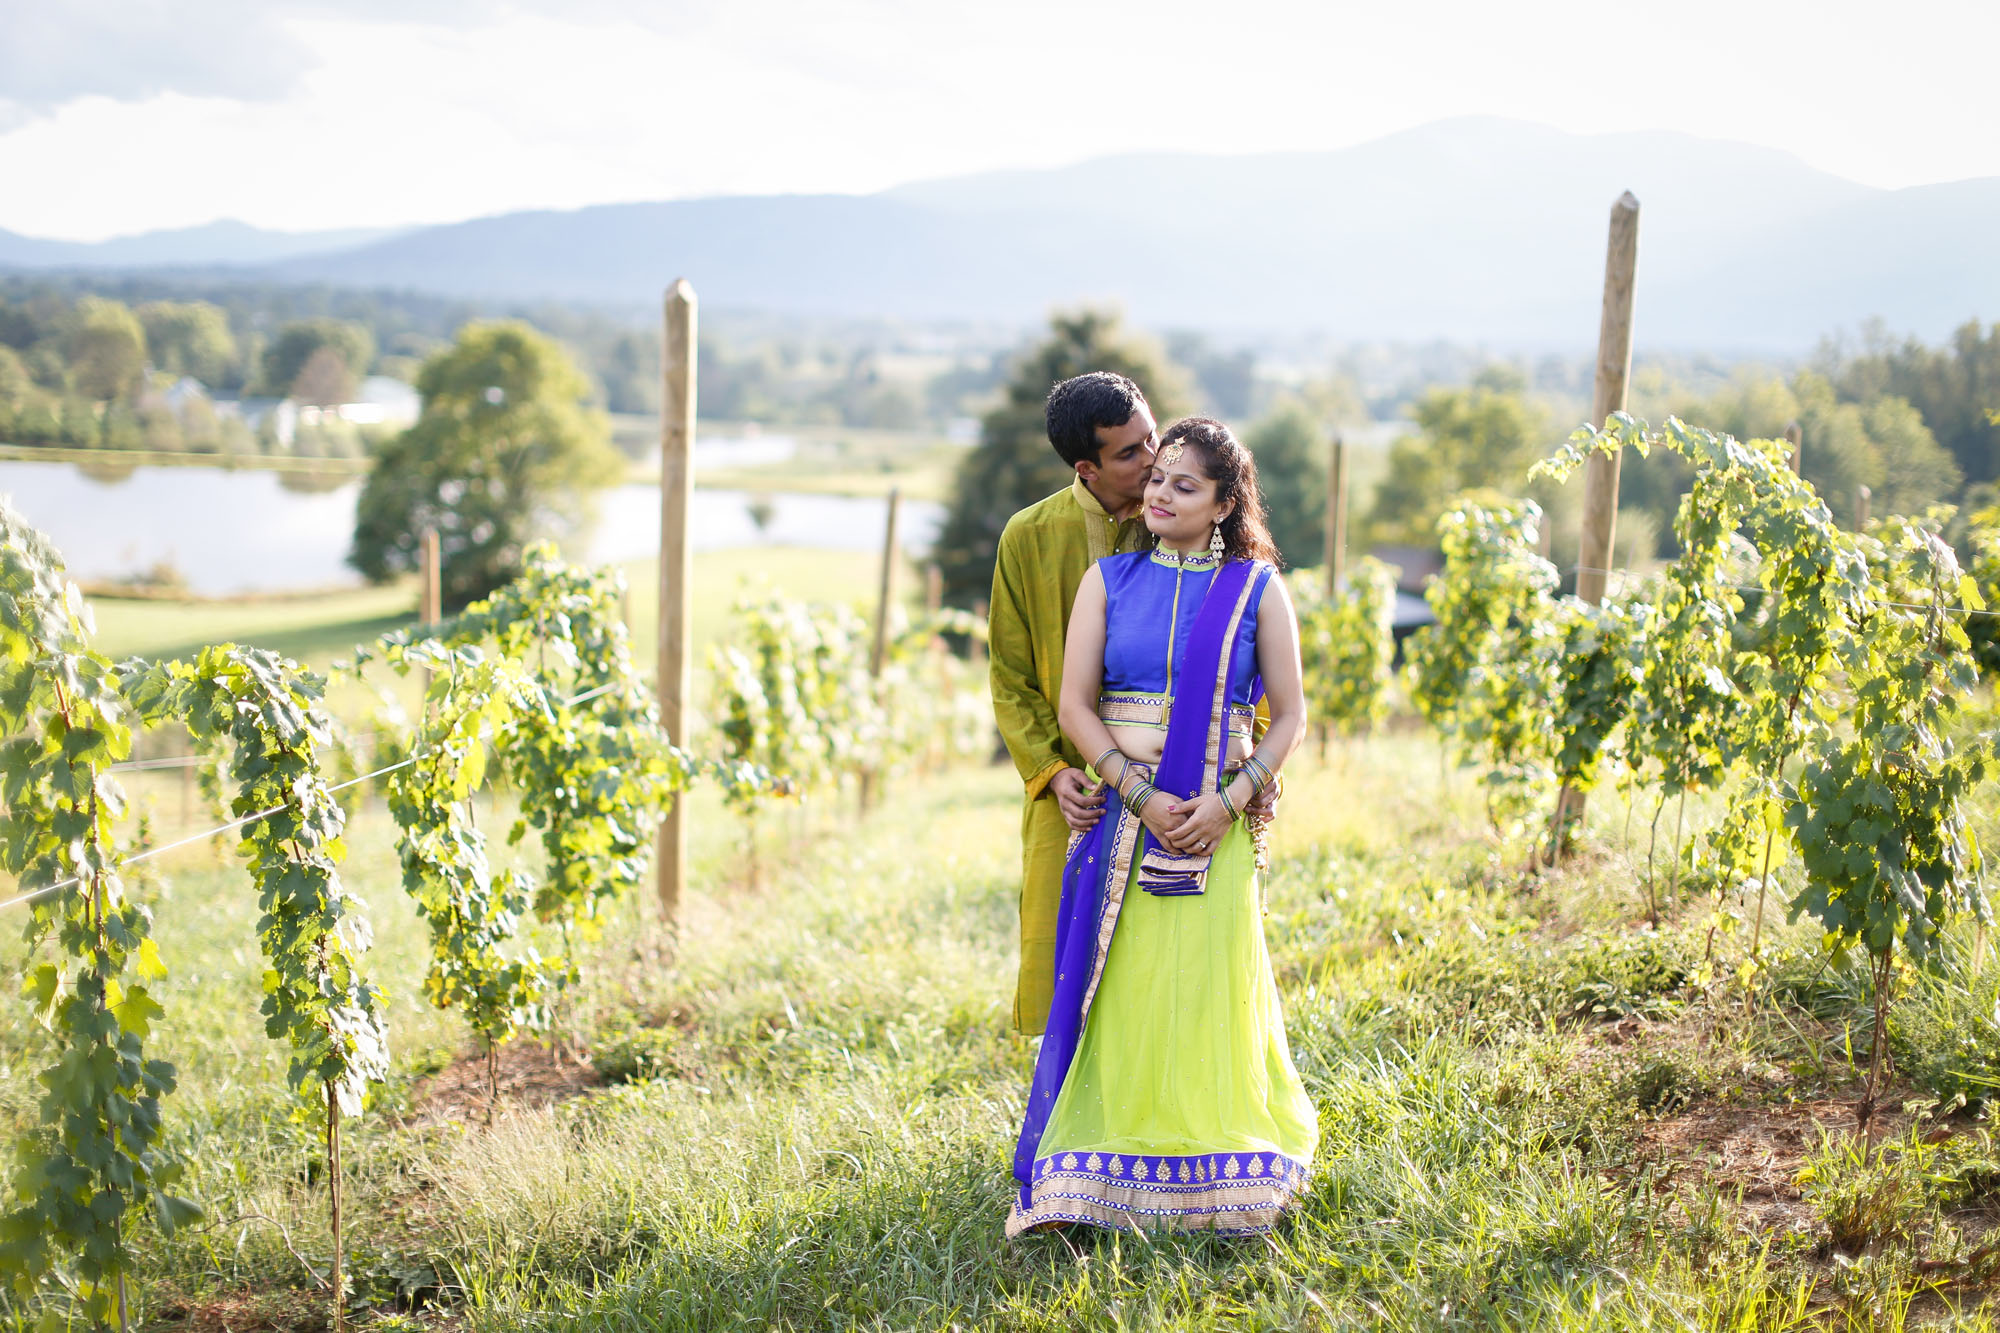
{"type": "Point", "coordinates": [1044, 552]}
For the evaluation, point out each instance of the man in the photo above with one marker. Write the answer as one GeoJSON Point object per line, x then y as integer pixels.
{"type": "Point", "coordinates": [1101, 426]}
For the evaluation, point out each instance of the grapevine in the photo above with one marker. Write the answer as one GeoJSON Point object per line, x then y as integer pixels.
{"type": "Point", "coordinates": [1348, 648]}
{"type": "Point", "coordinates": [1881, 813]}
{"type": "Point", "coordinates": [81, 1179]}
{"type": "Point", "coordinates": [268, 712]}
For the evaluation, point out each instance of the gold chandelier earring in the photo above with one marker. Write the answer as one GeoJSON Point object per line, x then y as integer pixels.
{"type": "Point", "coordinates": [1215, 544]}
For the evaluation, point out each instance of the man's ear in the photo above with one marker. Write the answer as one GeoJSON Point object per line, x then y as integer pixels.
{"type": "Point", "coordinates": [1087, 469]}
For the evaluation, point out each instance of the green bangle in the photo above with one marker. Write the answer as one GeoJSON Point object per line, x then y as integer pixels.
{"type": "Point", "coordinates": [1097, 764]}
{"type": "Point", "coordinates": [1227, 804]}
{"type": "Point", "coordinates": [1142, 793]}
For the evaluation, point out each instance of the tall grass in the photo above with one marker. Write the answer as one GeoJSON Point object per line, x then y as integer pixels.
{"type": "Point", "coordinates": [829, 1143]}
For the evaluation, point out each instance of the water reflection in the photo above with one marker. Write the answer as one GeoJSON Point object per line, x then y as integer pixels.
{"type": "Point", "coordinates": [231, 531]}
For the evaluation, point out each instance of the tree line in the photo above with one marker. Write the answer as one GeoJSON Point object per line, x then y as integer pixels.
{"type": "Point", "coordinates": [1910, 422]}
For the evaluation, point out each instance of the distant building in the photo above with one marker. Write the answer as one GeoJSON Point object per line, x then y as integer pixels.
{"type": "Point", "coordinates": [383, 401]}
{"type": "Point", "coordinates": [183, 393]}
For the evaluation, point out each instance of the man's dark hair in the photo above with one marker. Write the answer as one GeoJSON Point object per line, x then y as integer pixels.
{"type": "Point", "coordinates": [1077, 407]}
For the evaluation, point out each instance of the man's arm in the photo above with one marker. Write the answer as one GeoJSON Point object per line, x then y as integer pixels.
{"type": "Point", "coordinates": [1027, 719]}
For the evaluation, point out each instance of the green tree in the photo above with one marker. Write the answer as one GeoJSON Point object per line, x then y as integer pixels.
{"type": "Point", "coordinates": [1882, 444]}
{"type": "Point", "coordinates": [1014, 464]}
{"type": "Point", "coordinates": [1485, 436]}
{"type": "Point", "coordinates": [1954, 388]}
{"type": "Point", "coordinates": [293, 349]}
{"type": "Point", "coordinates": [1290, 449]}
{"type": "Point", "coordinates": [105, 348]}
{"type": "Point", "coordinates": [504, 453]}
{"type": "Point", "coordinates": [188, 338]}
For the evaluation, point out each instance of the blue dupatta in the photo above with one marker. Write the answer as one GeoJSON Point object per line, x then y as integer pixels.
{"type": "Point", "coordinates": [1100, 861]}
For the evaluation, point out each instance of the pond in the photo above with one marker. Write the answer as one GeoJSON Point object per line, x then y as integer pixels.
{"type": "Point", "coordinates": [226, 532]}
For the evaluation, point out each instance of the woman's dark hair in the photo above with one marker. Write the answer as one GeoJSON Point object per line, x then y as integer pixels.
{"type": "Point", "coordinates": [1224, 461]}
{"type": "Point", "coordinates": [1077, 407]}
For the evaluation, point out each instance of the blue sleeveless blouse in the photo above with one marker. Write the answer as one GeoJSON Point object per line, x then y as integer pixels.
{"type": "Point", "coordinates": [1144, 595]}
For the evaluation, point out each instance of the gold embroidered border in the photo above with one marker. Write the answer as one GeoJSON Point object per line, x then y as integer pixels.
{"type": "Point", "coordinates": [1153, 710]}
{"type": "Point", "coordinates": [1230, 1206]}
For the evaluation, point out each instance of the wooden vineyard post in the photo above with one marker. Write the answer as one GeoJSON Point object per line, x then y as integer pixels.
{"type": "Point", "coordinates": [1600, 474]}
{"type": "Point", "coordinates": [430, 599]}
{"type": "Point", "coordinates": [430, 589]}
{"type": "Point", "coordinates": [677, 408]}
{"type": "Point", "coordinates": [1336, 517]}
{"type": "Point", "coordinates": [1862, 495]}
{"type": "Point", "coordinates": [1796, 438]}
{"type": "Point", "coordinates": [878, 655]}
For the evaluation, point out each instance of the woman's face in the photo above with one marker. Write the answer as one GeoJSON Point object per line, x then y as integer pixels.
{"type": "Point", "coordinates": [1181, 506]}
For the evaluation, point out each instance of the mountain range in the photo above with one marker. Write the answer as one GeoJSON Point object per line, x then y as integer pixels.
{"type": "Point", "coordinates": [1473, 229]}
{"type": "Point", "coordinates": [226, 242]}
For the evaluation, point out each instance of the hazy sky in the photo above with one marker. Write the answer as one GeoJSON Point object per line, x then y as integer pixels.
{"type": "Point", "coordinates": [126, 115]}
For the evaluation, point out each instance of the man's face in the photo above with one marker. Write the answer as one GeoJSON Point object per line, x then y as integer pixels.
{"type": "Point", "coordinates": [1124, 461]}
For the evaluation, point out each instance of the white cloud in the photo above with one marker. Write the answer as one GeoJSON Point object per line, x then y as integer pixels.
{"type": "Point", "coordinates": [299, 114]}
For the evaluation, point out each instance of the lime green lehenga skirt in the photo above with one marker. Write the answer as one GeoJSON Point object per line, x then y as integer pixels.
{"type": "Point", "coordinates": [1181, 1108]}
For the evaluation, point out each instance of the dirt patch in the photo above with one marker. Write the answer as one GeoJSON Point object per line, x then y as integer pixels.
{"type": "Point", "coordinates": [525, 1074]}
{"type": "Point", "coordinates": [282, 1310]}
{"type": "Point", "coordinates": [1754, 1151]}
{"type": "Point", "coordinates": [278, 1311]}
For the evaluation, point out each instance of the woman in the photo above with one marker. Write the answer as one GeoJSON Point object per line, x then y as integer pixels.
{"type": "Point", "coordinates": [1164, 1092]}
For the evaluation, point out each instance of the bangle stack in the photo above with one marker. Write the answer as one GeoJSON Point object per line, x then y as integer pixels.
{"type": "Point", "coordinates": [1135, 800]}
{"type": "Point", "coordinates": [1227, 804]}
{"type": "Point", "coordinates": [1259, 773]}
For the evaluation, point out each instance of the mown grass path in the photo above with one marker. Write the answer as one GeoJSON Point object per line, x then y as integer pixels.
{"type": "Point", "coordinates": [1506, 1077]}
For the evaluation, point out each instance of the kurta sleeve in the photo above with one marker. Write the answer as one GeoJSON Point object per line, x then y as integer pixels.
{"type": "Point", "coordinates": [1027, 718]}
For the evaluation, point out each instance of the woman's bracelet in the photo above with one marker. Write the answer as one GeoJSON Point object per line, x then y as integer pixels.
{"type": "Point", "coordinates": [1135, 800]}
{"type": "Point", "coordinates": [1227, 804]}
{"type": "Point", "coordinates": [1259, 773]}
{"type": "Point", "coordinates": [1097, 764]}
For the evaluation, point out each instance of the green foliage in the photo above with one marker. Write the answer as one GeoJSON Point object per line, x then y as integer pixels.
{"type": "Point", "coordinates": [94, 1160]}
{"type": "Point", "coordinates": [298, 343]}
{"type": "Point", "coordinates": [1881, 814]}
{"type": "Point", "coordinates": [106, 349]}
{"type": "Point", "coordinates": [1347, 646]}
{"type": "Point", "coordinates": [267, 712]}
{"type": "Point", "coordinates": [474, 705]}
{"type": "Point", "coordinates": [504, 454]}
{"type": "Point", "coordinates": [800, 710]}
{"type": "Point", "coordinates": [1982, 543]}
{"type": "Point", "coordinates": [1291, 449]}
{"type": "Point", "coordinates": [1467, 439]}
{"type": "Point", "coordinates": [1015, 465]}
{"type": "Point", "coordinates": [1480, 674]}
{"type": "Point", "coordinates": [1598, 655]}
{"type": "Point", "coordinates": [1882, 442]}
{"type": "Point", "coordinates": [188, 338]}
{"type": "Point", "coordinates": [1953, 387]}
{"type": "Point", "coordinates": [595, 771]}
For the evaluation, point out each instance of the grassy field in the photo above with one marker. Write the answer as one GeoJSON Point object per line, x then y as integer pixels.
{"type": "Point", "coordinates": [1537, 1111]}
{"type": "Point", "coordinates": [319, 628]}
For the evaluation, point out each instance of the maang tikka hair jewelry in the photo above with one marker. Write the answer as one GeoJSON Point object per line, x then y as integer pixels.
{"type": "Point", "coordinates": [1171, 454]}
